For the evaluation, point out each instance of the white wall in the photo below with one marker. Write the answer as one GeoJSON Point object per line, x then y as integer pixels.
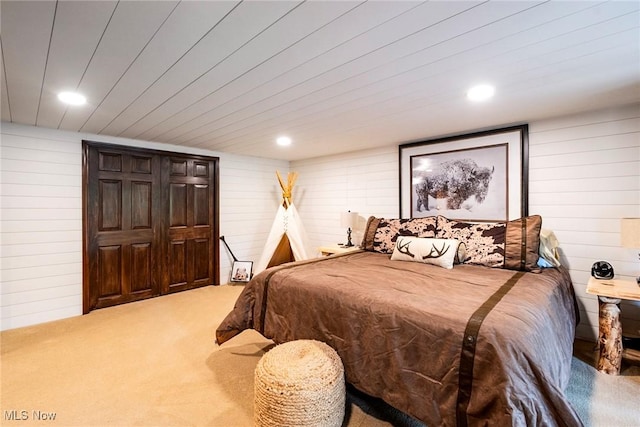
{"type": "Point", "coordinates": [365, 182]}
{"type": "Point", "coordinates": [584, 176]}
{"type": "Point", "coordinates": [41, 217]}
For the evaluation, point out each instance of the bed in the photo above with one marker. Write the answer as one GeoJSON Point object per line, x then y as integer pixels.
{"type": "Point", "coordinates": [468, 345]}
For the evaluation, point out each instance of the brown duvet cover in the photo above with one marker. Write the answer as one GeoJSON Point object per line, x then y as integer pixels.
{"type": "Point", "coordinates": [467, 346]}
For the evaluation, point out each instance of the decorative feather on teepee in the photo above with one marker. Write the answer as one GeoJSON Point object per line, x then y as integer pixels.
{"type": "Point", "coordinates": [286, 241]}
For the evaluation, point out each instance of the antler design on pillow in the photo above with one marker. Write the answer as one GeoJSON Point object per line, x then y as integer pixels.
{"type": "Point", "coordinates": [438, 253]}
{"type": "Point", "coordinates": [404, 248]}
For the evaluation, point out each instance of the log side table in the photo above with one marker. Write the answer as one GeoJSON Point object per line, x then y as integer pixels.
{"type": "Point", "coordinates": [609, 293]}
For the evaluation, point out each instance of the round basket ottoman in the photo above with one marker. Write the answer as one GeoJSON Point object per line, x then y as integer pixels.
{"type": "Point", "coordinates": [299, 383]}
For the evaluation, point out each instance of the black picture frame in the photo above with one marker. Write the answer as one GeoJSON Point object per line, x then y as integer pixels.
{"type": "Point", "coordinates": [241, 271]}
{"type": "Point", "coordinates": [469, 177]}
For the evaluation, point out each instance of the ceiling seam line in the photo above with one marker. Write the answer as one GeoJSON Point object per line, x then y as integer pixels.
{"type": "Point", "coordinates": [172, 65]}
{"type": "Point", "coordinates": [353, 127]}
{"type": "Point", "coordinates": [130, 65]}
{"type": "Point", "coordinates": [6, 82]}
{"type": "Point", "coordinates": [218, 63]}
{"type": "Point", "coordinates": [365, 124]}
{"type": "Point", "coordinates": [282, 74]}
{"type": "Point", "coordinates": [430, 76]}
{"type": "Point", "coordinates": [200, 76]}
{"type": "Point", "coordinates": [244, 135]}
{"type": "Point", "coordinates": [252, 68]}
{"type": "Point", "coordinates": [400, 112]}
{"type": "Point", "coordinates": [46, 62]}
{"type": "Point", "coordinates": [343, 64]}
{"type": "Point", "coordinates": [93, 54]}
{"type": "Point", "coordinates": [415, 68]}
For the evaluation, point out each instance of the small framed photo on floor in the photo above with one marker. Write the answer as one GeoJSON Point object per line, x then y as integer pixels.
{"type": "Point", "coordinates": [241, 271]}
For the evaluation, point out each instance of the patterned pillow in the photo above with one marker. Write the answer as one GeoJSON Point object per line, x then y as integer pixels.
{"type": "Point", "coordinates": [484, 243]}
{"type": "Point", "coordinates": [380, 234]}
{"type": "Point", "coordinates": [512, 245]}
{"type": "Point", "coordinates": [441, 252]}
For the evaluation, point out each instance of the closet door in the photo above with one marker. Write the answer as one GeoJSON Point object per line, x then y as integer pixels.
{"type": "Point", "coordinates": [122, 193]}
{"type": "Point", "coordinates": [150, 223]}
{"type": "Point", "coordinates": [192, 230]}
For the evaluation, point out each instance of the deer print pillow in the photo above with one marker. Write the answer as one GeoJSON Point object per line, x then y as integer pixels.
{"type": "Point", "coordinates": [381, 233]}
{"type": "Point", "coordinates": [441, 252]}
{"type": "Point", "coordinates": [512, 245]}
{"type": "Point", "coordinates": [484, 242]}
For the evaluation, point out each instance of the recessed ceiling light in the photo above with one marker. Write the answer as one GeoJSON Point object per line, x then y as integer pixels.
{"type": "Point", "coordinates": [481, 92]}
{"type": "Point", "coordinates": [72, 98]}
{"type": "Point", "coordinates": [283, 141]}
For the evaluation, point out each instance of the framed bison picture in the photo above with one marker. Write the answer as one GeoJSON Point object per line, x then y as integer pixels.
{"type": "Point", "coordinates": [474, 177]}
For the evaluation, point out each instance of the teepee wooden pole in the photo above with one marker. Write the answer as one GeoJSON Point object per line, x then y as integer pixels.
{"type": "Point", "coordinates": [288, 188]}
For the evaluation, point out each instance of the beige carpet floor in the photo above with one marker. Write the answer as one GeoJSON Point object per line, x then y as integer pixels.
{"type": "Point", "coordinates": [155, 363]}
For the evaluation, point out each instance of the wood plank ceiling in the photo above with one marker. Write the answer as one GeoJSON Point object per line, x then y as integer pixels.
{"type": "Point", "coordinates": [335, 76]}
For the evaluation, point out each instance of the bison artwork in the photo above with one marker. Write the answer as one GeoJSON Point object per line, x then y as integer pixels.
{"type": "Point", "coordinates": [455, 181]}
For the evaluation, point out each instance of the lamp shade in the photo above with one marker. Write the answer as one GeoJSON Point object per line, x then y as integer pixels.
{"type": "Point", "coordinates": [348, 219]}
{"type": "Point", "coordinates": [630, 232]}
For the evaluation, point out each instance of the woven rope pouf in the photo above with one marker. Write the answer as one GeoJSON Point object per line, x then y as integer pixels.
{"type": "Point", "coordinates": [299, 383]}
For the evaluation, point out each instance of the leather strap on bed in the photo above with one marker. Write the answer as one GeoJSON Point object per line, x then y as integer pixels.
{"type": "Point", "coordinates": [523, 245]}
{"type": "Point", "coordinates": [468, 352]}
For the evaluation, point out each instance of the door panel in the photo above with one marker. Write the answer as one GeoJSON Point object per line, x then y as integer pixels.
{"type": "Point", "coordinates": [201, 205]}
{"type": "Point", "coordinates": [178, 205]}
{"type": "Point", "coordinates": [201, 169]}
{"type": "Point", "coordinates": [141, 267]}
{"type": "Point", "coordinates": [110, 162]}
{"type": "Point", "coordinates": [178, 167]}
{"type": "Point", "coordinates": [110, 203]}
{"type": "Point", "coordinates": [109, 271]}
{"type": "Point", "coordinates": [177, 262]}
{"type": "Point", "coordinates": [141, 164]}
{"type": "Point", "coordinates": [141, 205]}
{"type": "Point", "coordinates": [201, 256]}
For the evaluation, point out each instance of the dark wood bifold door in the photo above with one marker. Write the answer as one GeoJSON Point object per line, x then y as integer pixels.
{"type": "Point", "coordinates": [190, 226]}
{"type": "Point", "coordinates": [150, 223]}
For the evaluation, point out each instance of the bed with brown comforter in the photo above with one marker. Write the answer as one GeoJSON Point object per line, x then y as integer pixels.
{"type": "Point", "coordinates": [467, 346]}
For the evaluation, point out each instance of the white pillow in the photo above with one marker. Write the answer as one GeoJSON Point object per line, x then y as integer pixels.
{"type": "Point", "coordinates": [548, 249]}
{"type": "Point", "coordinates": [440, 252]}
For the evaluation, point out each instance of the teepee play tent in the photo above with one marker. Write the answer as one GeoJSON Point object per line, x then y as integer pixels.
{"type": "Point", "coordinates": [286, 241]}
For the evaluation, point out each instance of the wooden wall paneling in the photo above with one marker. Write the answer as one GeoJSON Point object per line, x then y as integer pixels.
{"type": "Point", "coordinates": [584, 176]}
{"type": "Point", "coordinates": [585, 172]}
{"type": "Point", "coordinates": [41, 216]}
{"type": "Point", "coordinates": [364, 181]}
